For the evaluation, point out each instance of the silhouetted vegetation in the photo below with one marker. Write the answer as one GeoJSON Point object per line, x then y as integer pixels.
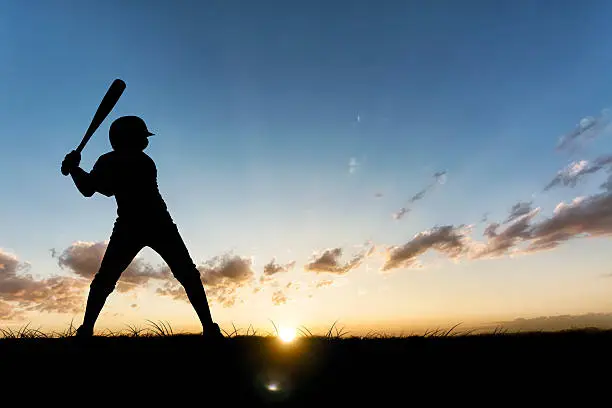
{"type": "Point", "coordinates": [154, 363]}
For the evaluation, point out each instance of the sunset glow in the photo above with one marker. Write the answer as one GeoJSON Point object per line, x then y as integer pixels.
{"type": "Point", "coordinates": [287, 334]}
{"type": "Point", "coordinates": [391, 168]}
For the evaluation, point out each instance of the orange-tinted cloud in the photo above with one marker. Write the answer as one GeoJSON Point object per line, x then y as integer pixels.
{"type": "Point", "coordinates": [273, 268]}
{"type": "Point", "coordinates": [279, 298]}
{"type": "Point", "coordinates": [84, 259]}
{"type": "Point", "coordinates": [222, 276]}
{"type": "Point", "coordinates": [21, 292]}
{"type": "Point", "coordinates": [330, 261]}
{"type": "Point", "coordinates": [323, 283]}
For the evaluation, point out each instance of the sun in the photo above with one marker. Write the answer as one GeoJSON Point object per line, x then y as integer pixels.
{"type": "Point", "coordinates": [287, 334]}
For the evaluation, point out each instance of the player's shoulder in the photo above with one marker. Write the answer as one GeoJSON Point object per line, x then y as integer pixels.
{"type": "Point", "coordinates": [108, 156]}
{"type": "Point", "coordinates": [106, 159]}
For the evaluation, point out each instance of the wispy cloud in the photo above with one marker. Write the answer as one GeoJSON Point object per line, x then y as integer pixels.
{"type": "Point", "coordinates": [574, 172]}
{"type": "Point", "coordinates": [583, 217]}
{"type": "Point", "coordinates": [323, 283]}
{"type": "Point", "coordinates": [607, 185]}
{"type": "Point", "coordinates": [400, 213]}
{"type": "Point", "coordinates": [518, 210]}
{"type": "Point", "coordinates": [279, 298]}
{"type": "Point", "coordinates": [440, 178]}
{"type": "Point", "coordinates": [589, 127]}
{"type": "Point", "coordinates": [273, 268]}
{"type": "Point", "coordinates": [500, 243]}
{"type": "Point", "coordinates": [447, 239]}
{"type": "Point", "coordinates": [353, 165]}
{"type": "Point", "coordinates": [330, 261]}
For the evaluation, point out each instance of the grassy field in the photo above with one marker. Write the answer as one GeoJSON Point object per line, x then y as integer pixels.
{"type": "Point", "coordinates": [328, 370]}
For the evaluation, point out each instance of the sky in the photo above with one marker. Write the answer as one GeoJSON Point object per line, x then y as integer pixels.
{"type": "Point", "coordinates": [393, 166]}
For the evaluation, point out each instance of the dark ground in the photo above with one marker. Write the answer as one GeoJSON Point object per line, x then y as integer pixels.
{"type": "Point", "coordinates": [531, 369]}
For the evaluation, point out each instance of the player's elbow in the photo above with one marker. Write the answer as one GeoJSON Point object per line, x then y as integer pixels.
{"type": "Point", "coordinates": [87, 193]}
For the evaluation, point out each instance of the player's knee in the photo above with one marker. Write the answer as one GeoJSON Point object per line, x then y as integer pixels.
{"type": "Point", "coordinates": [187, 275]}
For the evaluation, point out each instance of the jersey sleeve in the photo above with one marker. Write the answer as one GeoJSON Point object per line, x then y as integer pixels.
{"type": "Point", "coordinates": [101, 177]}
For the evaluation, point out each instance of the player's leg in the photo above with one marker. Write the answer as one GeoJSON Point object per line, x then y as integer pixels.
{"type": "Point", "coordinates": [170, 246]}
{"type": "Point", "coordinates": [121, 250]}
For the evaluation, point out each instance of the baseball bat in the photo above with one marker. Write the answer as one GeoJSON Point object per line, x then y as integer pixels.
{"type": "Point", "coordinates": [106, 105]}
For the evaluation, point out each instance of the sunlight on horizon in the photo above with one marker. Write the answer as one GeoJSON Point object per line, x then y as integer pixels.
{"type": "Point", "coordinates": [287, 334]}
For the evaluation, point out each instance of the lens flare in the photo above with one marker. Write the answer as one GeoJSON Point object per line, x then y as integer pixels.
{"type": "Point", "coordinates": [273, 386]}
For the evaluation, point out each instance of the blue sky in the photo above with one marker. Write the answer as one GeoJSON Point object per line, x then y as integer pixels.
{"type": "Point", "coordinates": [258, 107]}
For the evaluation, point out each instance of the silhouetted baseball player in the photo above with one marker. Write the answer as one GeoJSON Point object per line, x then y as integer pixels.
{"type": "Point", "coordinates": [142, 220]}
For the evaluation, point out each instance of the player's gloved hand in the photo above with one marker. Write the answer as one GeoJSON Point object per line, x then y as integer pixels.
{"type": "Point", "coordinates": [71, 162]}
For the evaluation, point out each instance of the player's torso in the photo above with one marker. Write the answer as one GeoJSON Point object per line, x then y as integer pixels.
{"type": "Point", "coordinates": [132, 178]}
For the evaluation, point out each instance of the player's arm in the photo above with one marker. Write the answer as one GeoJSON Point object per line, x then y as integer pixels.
{"type": "Point", "coordinates": [82, 179]}
{"type": "Point", "coordinates": [87, 183]}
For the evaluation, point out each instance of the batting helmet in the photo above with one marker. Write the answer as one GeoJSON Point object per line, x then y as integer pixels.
{"type": "Point", "coordinates": [125, 130]}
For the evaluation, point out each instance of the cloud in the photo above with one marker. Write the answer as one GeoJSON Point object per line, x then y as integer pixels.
{"type": "Point", "coordinates": [378, 195]}
{"type": "Point", "coordinates": [518, 210]}
{"type": "Point", "coordinates": [329, 261]}
{"type": "Point", "coordinates": [273, 268]}
{"type": "Point", "coordinates": [447, 239]}
{"type": "Point", "coordinates": [323, 283]}
{"type": "Point", "coordinates": [500, 243]}
{"type": "Point", "coordinates": [173, 290]}
{"type": "Point", "coordinates": [7, 312]}
{"type": "Point", "coordinates": [440, 177]}
{"type": "Point", "coordinates": [575, 171]}
{"type": "Point", "coordinates": [418, 196]}
{"type": "Point", "coordinates": [607, 185]}
{"type": "Point", "coordinates": [21, 292]}
{"type": "Point", "coordinates": [583, 217]}
{"type": "Point", "coordinates": [227, 269]}
{"type": "Point", "coordinates": [353, 164]}
{"type": "Point", "coordinates": [279, 298]}
{"type": "Point", "coordinates": [222, 276]}
{"type": "Point", "coordinates": [400, 213]}
{"type": "Point", "coordinates": [293, 285]}
{"type": "Point", "coordinates": [84, 259]}
{"type": "Point", "coordinates": [589, 127]}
